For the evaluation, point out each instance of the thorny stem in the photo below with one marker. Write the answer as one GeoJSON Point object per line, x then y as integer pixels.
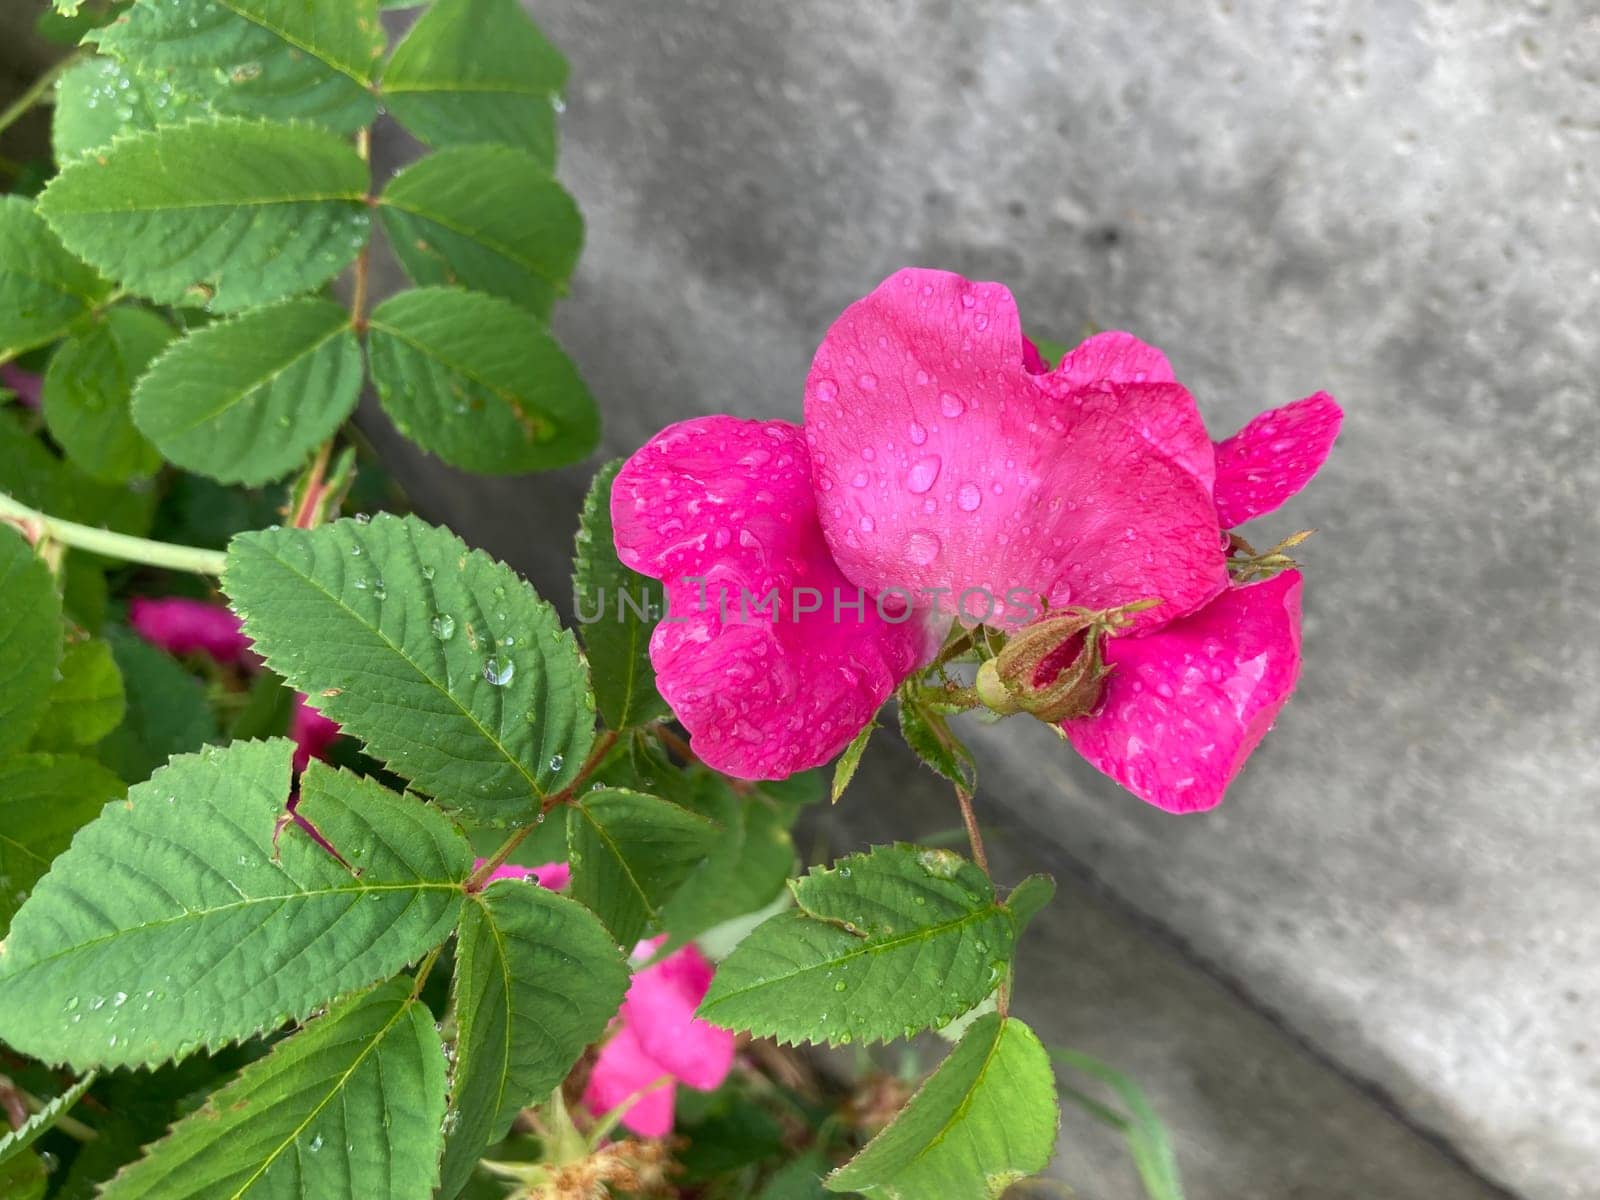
{"type": "Point", "coordinates": [36, 91]}
{"type": "Point", "coordinates": [602, 747]}
{"type": "Point", "coordinates": [36, 525]}
{"type": "Point", "coordinates": [423, 969]}
{"type": "Point", "coordinates": [974, 838]}
{"type": "Point", "coordinates": [19, 1103]}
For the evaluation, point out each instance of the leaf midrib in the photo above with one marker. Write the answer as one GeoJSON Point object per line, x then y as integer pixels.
{"type": "Point", "coordinates": [338, 1087]}
{"type": "Point", "coordinates": [254, 385]}
{"type": "Point", "coordinates": [201, 913]}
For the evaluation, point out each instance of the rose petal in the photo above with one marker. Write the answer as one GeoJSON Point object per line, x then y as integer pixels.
{"type": "Point", "coordinates": [1274, 456]}
{"type": "Point", "coordinates": [312, 732]}
{"type": "Point", "coordinates": [721, 510]}
{"type": "Point", "coordinates": [1186, 705]}
{"type": "Point", "coordinates": [1113, 357]}
{"type": "Point", "coordinates": [660, 1011]}
{"type": "Point", "coordinates": [183, 626]}
{"type": "Point", "coordinates": [940, 463]}
{"type": "Point", "coordinates": [1033, 362]}
{"type": "Point", "coordinates": [622, 1069]}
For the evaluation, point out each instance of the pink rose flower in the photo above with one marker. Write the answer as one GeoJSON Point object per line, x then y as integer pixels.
{"type": "Point", "coordinates": [182, 626]}
{"type": "Point", "coordinates": [552, 875]}
{"type": "Point", "coordinates": [658, 1037]}
{"type": "Point", "coordinates": [951, 474]}
{"type": "Point", "coordinates": [311, 732]}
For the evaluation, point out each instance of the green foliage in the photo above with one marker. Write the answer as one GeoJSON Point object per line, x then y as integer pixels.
{"type": "Point", "coordinates": [629, 853]}
{"type": "Point", "coordinates": [44, 800]}
{"type": "Point", "coordinates": [1148, 1143]}
{"type": "Point", "coordinates": [30, 639]}
{"type": "Point", "coordinates": [1028, 897]}
{"type": "Point", "coordinates": [98, 98]}
{"type": "Point", "coordinates": [86, 702]}
{"type": "Point", "coordinates": [248, 400]}
{"type": "Point", "coordinates": [37, 478]}
{"type": "Point", "coordinates": [486, 217]}
{"type": "Point", "coordinates": [265, 58]}
{"type": "Point", "coordinates": [618, 608]}
{"type": "Point", "coordinates": [930, 737]}
{"type": "Point", "coordinates": [227, 213]}
{"type": "Point", "coordinates": [183, 917]}
{"type": "Point", "coordinates": [479, 382]}
{"type": "Point", "coordinates": [89, 388]}
{"type": "Point", "coordinates": [44, 290]}
{"type": "Point", "coordinates": [537, 979]}
{"type": "Point", "coordinates": [446, 664]}
{"type": "Point", "coordinates": [477, 71]}
{"type": "Point", "coordinates": [985, 1119]}
{"type": "Point", "coordinates": [884, 944]}
{"type": "Point", "coordinates": [746, 868]}
{"type": "Point", "coordinates": [166, 713]}
{"type": "Point", "coordinates": [350, 1108]}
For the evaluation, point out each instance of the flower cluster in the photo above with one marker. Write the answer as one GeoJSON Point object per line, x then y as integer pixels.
{"type": "Point", "coordinates": [942, 459]}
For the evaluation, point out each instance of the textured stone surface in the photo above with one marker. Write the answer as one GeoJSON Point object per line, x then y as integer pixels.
{"type": "Point", "coordinates": [1394, 201]}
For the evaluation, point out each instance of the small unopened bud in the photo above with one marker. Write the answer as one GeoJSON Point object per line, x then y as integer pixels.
{"type": "Point", "coordinates": [1054, 669]}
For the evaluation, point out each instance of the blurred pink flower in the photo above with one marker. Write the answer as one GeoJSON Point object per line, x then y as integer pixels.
{"type": "Point", "coordinates": [312, 732]}
{"type": "Point", "coordinates": [182, 626]}
{"type": "Point", "coordinates": [658, 1037]}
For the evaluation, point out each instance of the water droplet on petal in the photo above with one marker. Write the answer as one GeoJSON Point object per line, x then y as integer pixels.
{"type": "Point", "coordinates": [922, 547]}
{"type": "Point", "coordinates": [923, 473]}
{"type": "Point", "coordinates": [969, 497]}
{"type": "Point", "coordinates": [950, 404]}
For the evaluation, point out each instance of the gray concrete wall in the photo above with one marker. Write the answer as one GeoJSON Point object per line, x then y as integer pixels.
{"type": "Point", "coordinates": [1386, 937]}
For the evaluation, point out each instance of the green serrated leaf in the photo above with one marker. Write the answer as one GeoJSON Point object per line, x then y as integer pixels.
{"type": "Point", "coordinates": [226, 213]}
{"type": "Point", "coordinates": [174, 922]}
{"type": "Point", "coordinates": [931, 739]}
{"type": "Point", "coordinates": [629, 853]}
{"type": "Point", "coordinates": [617, 610]}
{"type": "Point", "coordinates": [30, 639]}
{"type": "Point", "coordinates": [1028, 897]}
{"type": "Point", "coordinates": [473, 71]}
{"type": "Point", "coordinates": [86, 702]}
{"type": "Point", "coordinates": [537, 979]}
{"type": "Point", "coordinates": [491, 218]}
{"type": "Point", "coordinates": [63, 30]}
{"type": "Point", "coordinates": [44, 800]}
{"type": "Point", "coordinates": [248, 400]}
{"type": "Point", "coordinates": [43, 288]}
{"type": "Point", "coordinates": [88, 389]}
{"type": "Point", "coordinates": [884, 944]}
{"type": "Point", "coordinates": [282, 59]}
{"type": "Point", "coordinates": [99, 98]}
{"type": "Point", "coordinates": [442, 660]}
{"type": "Point", "coordinates": [479, 382]}
{"type": "Point", "coordinates": [1148, 1143]}
{"type": "Point", "coordinates": [799, 1180]}
{"type": "Point", "coordinates": [41, 1122]}
{"type": "Point", "coordinates": [349, 1108]}
{"type": "Point", "coordinates": [745, 870]}
{"type": "Point", "coordinates": [166, 713]}
{"type": "Point", "coordinates": [845, 769]}
{"type": "Point", "coordinates": [985, 1119]}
